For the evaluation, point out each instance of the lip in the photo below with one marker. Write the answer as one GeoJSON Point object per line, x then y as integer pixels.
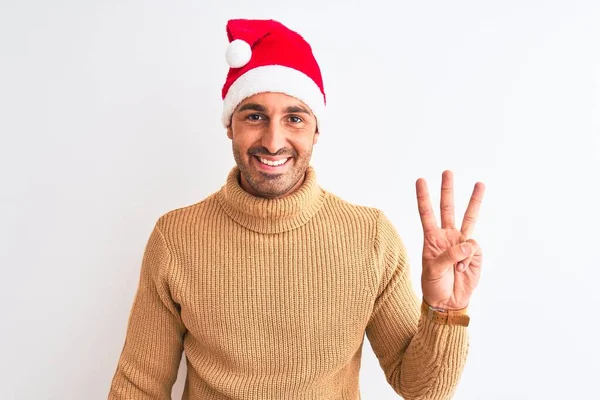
{"type": "Point", "coordinates": [270, 168]}
{"type": "Point", "coordinates": [272, 158]}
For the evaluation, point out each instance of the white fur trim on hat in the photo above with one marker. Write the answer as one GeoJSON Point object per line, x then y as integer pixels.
{"type": "Point", "coordinates": [274, 78]}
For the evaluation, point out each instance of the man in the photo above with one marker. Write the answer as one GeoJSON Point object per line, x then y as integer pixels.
{"type": "Point", "coordinates": [270, 284]}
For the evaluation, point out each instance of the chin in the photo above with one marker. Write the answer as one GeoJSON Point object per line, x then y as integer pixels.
{"type": "Point", "coordinates": [273, 186]}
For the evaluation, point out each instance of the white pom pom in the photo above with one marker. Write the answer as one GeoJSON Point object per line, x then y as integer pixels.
{"type": "Point", "coordinates": [238, 53]}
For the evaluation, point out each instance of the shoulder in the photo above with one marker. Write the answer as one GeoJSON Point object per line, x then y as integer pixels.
{"type": "Point", "coordinates": [185, 216]}
{"type": "Point", "coordinates": [341, 208]}
{"type": "Point", "coordinates": [388, 249]}
{"type": "Point", "coordinates": [369, 215]}
{"type": "Point", "coordinates": [384, 234]}
{"type": "Point", "coordinates": [365, 218]}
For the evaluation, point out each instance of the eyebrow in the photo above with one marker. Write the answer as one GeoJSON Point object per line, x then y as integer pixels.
{"type": "Point", "coordinates": [296, 109]}
{"type": "Point", "coordinates": [261, 108]}
{"type": "Point", "coordinates": [253, 107]}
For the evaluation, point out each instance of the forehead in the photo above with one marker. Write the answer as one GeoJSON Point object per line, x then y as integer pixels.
{"type": "Point", "coordinates": [273, 101]}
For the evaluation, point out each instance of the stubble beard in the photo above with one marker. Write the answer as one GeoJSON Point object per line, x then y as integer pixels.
{"type": "Point", "coordinates": [272, 185]}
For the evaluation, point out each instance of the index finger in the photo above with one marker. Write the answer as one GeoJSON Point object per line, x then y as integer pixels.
{"type": "Point", "coordinates": [424, 205]}
{"type": "Point", "coordinates": [470, 217]}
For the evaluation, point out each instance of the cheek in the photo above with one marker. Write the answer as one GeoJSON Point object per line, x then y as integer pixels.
{"type": "Point", "coordinates": [242, 142]}
{"type": "Point", "coordinates": [303, 145]}
{"type": "Point", "coordinates": [240, 145]}
{"type": "Point", "coordinates": [241, 136]}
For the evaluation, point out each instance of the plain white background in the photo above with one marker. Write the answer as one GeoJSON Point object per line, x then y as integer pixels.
{"type": "Point", "coordinates": [110, 117]}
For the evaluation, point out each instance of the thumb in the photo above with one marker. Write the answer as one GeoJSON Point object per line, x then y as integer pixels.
{"type": "Point", "coordinates": [451, 256]}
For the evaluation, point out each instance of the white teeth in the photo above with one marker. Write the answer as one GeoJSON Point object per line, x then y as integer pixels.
{"type": "Point", "coordinates": [273, 163]}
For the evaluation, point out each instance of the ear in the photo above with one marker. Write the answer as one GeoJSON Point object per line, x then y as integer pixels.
{"type": "Point", "coordinates": [229, 132]}
{"type": "Point", "coordinates": [316, 136]}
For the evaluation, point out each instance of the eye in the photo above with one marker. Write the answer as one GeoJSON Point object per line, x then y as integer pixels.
{"type": "Point", "coordinates": [254, 117]}
{"type": "Point", "coordinates": [295, 119]}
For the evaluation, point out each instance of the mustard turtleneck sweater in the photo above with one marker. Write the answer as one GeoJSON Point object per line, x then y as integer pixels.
{"type": "Point", "coordinates": [271, 299]}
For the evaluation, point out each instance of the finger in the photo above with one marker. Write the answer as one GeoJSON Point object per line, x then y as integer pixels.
{"type": "Point", "coordinates": [424, 204]}
{"type": "Point", "coordinates": [451, 257]}
{"type": "Point", "coordinates": [476, 248]}
{"type": "Point", "coordinates": [447, 200]}
{"type": "Point", "coordinates": [466, 263]}
{"type": "Point", "coordinates": [468, 224]}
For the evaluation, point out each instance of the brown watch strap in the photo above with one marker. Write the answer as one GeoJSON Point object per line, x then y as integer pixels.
{"type": "Point", "coordinates": [442, 317]}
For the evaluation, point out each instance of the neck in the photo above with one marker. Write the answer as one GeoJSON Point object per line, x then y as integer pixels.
{"type": "Point", "coordinates": [271, 215]}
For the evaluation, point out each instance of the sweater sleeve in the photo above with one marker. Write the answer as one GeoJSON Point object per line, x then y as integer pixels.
{"type": "Point", "coordinates": [421, 359]}
{"type": "Point", "coordinates": [149, 361]}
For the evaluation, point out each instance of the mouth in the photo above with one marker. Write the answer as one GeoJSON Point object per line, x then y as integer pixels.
{"type": "Point", "coordinates": [271, 164]}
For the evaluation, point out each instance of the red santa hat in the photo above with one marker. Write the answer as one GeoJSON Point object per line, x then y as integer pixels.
{"type": "Point", "coordinates": [266, 56]}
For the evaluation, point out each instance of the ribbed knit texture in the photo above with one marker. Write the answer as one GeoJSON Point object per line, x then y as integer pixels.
{"type": "Point", "coordinates": [271, 299]}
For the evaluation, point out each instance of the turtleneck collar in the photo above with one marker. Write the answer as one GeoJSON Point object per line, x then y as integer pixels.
{"type": "Point", "coordinates": [271, 215]}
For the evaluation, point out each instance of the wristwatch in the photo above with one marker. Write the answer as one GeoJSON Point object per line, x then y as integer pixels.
{"type": "Point", "coordinates": [445, 317]}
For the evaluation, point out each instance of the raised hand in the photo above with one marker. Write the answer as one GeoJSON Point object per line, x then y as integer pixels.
{"type": "Point", "coordinates": [451, 258]}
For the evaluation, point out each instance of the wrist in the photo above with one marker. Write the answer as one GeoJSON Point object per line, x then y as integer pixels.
{"type": "Point", "coordinates": [444, 307]}
{"type": "Point", "coordinates": [445, 317]}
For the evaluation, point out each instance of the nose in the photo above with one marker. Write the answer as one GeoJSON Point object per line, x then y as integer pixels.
{"type": "Point", "coordinates": [273, 137]}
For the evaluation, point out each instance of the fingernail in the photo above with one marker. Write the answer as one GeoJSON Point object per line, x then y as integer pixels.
{"type": "Point", "coordinates": [460, 267]}
{"type": "Point", "coordinates": [465, 248]}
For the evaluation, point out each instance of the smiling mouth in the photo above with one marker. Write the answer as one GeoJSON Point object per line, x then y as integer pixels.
{"type": "Point", "coordinates": [272, 163]}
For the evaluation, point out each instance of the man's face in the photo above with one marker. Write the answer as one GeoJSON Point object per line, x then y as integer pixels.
{"type": "Point", "coordinates": [272, 137]}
